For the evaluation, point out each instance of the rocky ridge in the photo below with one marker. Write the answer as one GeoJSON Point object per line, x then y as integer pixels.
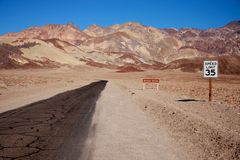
{"type": "Point", "coordinates": [128, 45]}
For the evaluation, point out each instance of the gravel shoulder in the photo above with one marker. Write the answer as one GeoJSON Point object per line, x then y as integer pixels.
{"type": "Point", "coordinates": [207, 130]}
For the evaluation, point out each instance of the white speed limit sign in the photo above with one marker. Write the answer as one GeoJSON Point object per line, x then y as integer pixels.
{"type": "Point", "coordinates": [210, 69]}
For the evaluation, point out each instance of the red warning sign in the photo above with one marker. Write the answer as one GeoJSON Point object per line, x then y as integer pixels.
{"type": "Point", "coordinates": [151, 80]}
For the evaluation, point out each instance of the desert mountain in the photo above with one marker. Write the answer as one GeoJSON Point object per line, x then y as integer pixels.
{"type": "Point", "coordinates": [122, 46]}
{"type": "Point", "coordinates": [234, 25]}
{"type": "Point", "coordinates": [62, 32]}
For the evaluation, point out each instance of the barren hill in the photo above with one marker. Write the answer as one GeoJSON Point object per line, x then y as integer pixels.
{"type": "Point", "coordinates": [122, 46]}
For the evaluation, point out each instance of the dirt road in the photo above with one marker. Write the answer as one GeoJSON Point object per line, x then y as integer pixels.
{"type": "Point", "coordinates": [123, 132]}
{"type": "Point", "coordinates": [52, 129]}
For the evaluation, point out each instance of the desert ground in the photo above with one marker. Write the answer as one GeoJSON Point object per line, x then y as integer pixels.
{"type": "Point", "coordinates": [132, 123]}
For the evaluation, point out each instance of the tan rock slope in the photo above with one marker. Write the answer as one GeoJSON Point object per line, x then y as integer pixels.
{"type": "Point", "coordinates": [129, 45]}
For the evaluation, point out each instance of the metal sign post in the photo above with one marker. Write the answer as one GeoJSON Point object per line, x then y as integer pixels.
{"type": "Point", "coordinates": [210, 71]}
{"type": "Point", "coordinates": [210, 90]}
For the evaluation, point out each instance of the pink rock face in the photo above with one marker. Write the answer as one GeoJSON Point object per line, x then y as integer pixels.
{"type": "Point", "coordinates": [63, 32]}
{"type": "Point", "coordinates": [235, 25]}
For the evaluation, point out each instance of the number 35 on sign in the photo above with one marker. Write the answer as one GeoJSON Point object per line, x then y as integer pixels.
{"type": "Point", "coordinates": [210, 69]}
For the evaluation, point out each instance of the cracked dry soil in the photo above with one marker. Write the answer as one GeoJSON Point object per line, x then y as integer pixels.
{"type": "Point", "coordinates": [50, 129]}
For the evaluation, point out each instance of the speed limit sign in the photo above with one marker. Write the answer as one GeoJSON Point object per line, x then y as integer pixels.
{"type": "Point", "coordinates": [210, 69]}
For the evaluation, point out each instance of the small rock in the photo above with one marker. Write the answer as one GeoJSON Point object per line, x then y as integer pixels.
{"type": "Point", "coordinates": [3, 85]}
